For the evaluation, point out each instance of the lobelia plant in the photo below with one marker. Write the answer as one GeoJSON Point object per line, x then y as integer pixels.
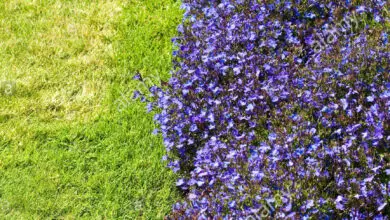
{"type": "Point", "coordinates": [254, 109]}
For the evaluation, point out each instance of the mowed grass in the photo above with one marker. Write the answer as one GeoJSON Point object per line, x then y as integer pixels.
{"type": "Point", "coordinates": [72, 142]}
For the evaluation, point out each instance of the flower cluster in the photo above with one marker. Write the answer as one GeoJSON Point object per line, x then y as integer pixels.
{"type": "Point", "coordinates": [253, 110]}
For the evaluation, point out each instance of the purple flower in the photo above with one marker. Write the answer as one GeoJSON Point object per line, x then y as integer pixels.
{"type": "Point", "coordinates": [370, 99]}
{"type": "Point", "coordinates": [180, 182]}
{"type": "Point", "coordinates": [361, 9]}
{"type": "Point", "coordinates": [272, 136]}
{"type": "Point", "coordinates": [250, 108]}
{"type": "Point", "coordinates": [259, 103]}
{"type": "Point", "coordinates": [137, 76]}
{"type": "Point", "coordinates": [339, 203]}
{"type": "Point", "coordinates": [193, 128]}
{"type": "Point", "coordinates": [344, 103]}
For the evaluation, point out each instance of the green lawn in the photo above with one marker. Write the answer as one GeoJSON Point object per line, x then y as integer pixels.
{"type": "Point", "coordinates": [72, 143]}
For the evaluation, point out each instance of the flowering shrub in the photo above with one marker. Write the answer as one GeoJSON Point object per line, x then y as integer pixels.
{"type": "Point", "coordinates": [279, 97]}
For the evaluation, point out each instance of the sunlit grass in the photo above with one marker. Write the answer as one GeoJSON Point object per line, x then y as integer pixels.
{"type": "Point", "coordinates": [65, 149]}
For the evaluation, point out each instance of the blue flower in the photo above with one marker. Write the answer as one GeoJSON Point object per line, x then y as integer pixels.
{"type": "Point", "coordinates": [253, 107]}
